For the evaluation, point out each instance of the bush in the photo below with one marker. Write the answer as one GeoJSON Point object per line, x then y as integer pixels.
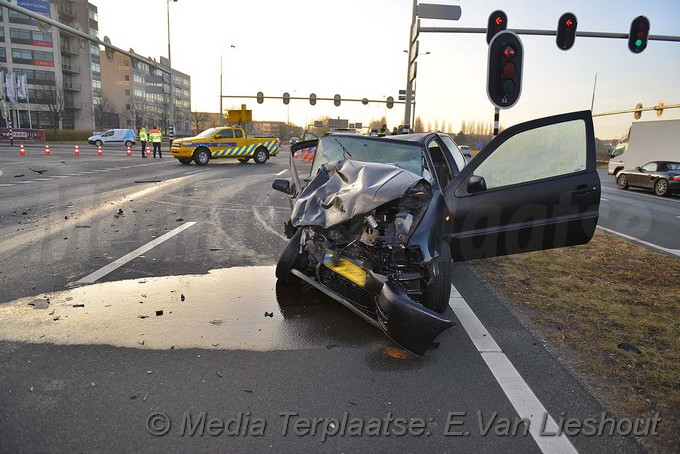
{"type": "Point", "coordinates": [67, 135]}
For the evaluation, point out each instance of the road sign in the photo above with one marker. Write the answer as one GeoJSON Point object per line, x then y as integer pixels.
{"type": "Point", "coordinates": [412, 71]}
{"type": "Point", "coordinates": [402, 97]}
{"type": "Point", "coordinates": [433, 11]}
{"type": "Point", "coordinates": [402, 92]}
{"type": "Point", "coordinates": [414, 51]}
{"type": "Point", "coordinates": [358, 125]}
{"type": "Point", "coordinates": [415, 30]}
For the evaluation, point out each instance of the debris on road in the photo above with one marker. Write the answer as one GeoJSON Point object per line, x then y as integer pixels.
{"type": "Point", "coordinates": [79, 305]}
{"type": "Point", "coordinates": [215, 249]}
{"type": "Point", "coordinates": [142, 316]}
{"type": "Point", "coordinates": [40, 303]}
{"type": "Point", "coordinates": [179, 219]}
{"type": "Point", "coordinates": [218, 374]}
{"type": "Point", "coordinates": [215, 322]}
{"type": "Point", "coordinates": [39, 172]}
{"type": "Point", "coordinates": [159, 313]}
{"type": "Point", "coordinates": [19, 176]}
{"type": "Point", "coordinates": [182, 297]}
{"type": "Point", "coordinates": [269, 314]}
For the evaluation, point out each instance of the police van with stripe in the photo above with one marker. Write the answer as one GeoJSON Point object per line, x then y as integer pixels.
{"type": "Point", "coordinates": [226, 142]}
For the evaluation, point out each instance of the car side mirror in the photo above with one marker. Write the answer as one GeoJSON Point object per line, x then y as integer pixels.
{"type": "Point", "coordinates": [476, 184]}
{"type": "Point", "coordinates": [281, 185]}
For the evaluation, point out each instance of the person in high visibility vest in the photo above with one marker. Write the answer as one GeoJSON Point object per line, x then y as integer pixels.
{"type": "Point", "coordinates": [143, 138]}
{"type": "Point", "coordinates": [383, 131]}
{"type": "Point", "coordinates": [156, 138]}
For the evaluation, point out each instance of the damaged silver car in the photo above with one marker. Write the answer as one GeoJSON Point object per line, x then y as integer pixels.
{"type": "Point", "coordinates": [379, 220]}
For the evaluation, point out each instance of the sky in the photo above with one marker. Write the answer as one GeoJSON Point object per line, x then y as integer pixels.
{"type": "Point", "coordinates": [355, 48]}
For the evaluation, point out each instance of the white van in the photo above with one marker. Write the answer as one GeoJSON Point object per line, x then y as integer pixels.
{"type": "Point", "coordinates": [122, 136]}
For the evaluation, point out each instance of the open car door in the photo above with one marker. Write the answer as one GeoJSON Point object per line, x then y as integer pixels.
{"type": "Point", "coordinates": [535, 186]}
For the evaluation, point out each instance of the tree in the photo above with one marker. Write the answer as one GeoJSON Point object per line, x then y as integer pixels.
{"type": "Point", "coordinates": [418, 126]}
{"type": "Point", "coordinates": [140, 114]}
{"type": "Point", "coordinates": [199, 120]}
{"type": "Point", "coordinates": [54, 99]}
{"type": "Point", "coordinates": [102, 109]}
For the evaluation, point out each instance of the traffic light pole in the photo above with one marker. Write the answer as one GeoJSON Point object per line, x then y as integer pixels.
{"type": "Point", "coordinates": [528, 31]}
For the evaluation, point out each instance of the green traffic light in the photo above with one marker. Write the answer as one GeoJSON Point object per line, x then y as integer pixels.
{"type": "Point", "coordinates": [638, 42]}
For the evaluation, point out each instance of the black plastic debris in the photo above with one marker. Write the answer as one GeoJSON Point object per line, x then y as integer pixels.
{"type": "Point", "coordinates": [213, 249]}
{"type": "Point", "coordinates": [218, 374]}
{"type": "Point", "coordinates": [269, 314]}
{"type": "Point", "coordinates": [182, 297]}
{"type": "Point", "coordinates": [142, 316]}
{"type": "Point", "coordinates": [179, 219]}
{"type": "Point", "coordinates": [629, 347]}
{"type": "Point", "coordinates": [78, 305]}
{"type": "Point", "coordinates": [83, 226]}
{"type": "Point", "coordinates": [39, 172]}
{"type": "Point", "coordinates": [215, 322]}
{"type": "Point", "coordinates": [120, 211]}
{"type": "Point", "coordinates": [159, 313]}
{"type": "Point", "coordinates": [19, 176]}
{"type": "Point", "coordinates": [248, 390]}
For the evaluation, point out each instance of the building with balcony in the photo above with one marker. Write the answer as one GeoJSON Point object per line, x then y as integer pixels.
{"type": "Point", "coordinates": [139, 93]}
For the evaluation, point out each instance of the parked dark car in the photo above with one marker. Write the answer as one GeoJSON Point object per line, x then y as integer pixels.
{"type": "Point", "coordinates": [662, 177]}
{"type": "Point", "coordinates": [379, 220]}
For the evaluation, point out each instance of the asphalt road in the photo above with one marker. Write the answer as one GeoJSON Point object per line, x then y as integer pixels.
{"type": "Point", "coordinates": [159, 335]}
{"type": "Point", "coordinates": [641, 214]}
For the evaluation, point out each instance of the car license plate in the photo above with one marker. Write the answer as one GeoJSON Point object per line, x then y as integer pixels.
{"type": "Point", "coordinates": [346, 269]}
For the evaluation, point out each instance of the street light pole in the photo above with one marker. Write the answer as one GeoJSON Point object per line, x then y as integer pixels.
{"type": "Point", "coordinates": [172, 77]}
{"type": "Point", "coordinates": [231, 46]}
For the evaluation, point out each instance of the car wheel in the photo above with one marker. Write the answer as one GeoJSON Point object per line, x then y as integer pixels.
{"type": "Point", "coordinates": [201, 157]}
{"type": "Point", "coordinates": [622, 181]}
{"type": "Point", "coordinates": [243, 160]}
{"type": "Point", "coordinates": [99, 143]}
{"type": "Point", "coordinates": [261, 155]}
{"type": "Point", "coordinates": [128, 143]}
{"type": "Point", "coordinates": [185, 161]}
{"type": "Point", "coordinates": [437, 296]}
{"type": "Point", "coordinates": [290, 258]}
{"type": "Point", "coordinates": [661, 187]}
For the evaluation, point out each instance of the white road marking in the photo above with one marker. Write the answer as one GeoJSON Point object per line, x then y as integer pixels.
{"type": "Point", "coordinates": [603, 199]}
{"type": "Point", "coordinates": [675, 252]}
{"type": "Point", "coordinates": [266, 226]}
{"type": "Point", "coordinates": [43, 179]}
{"type": "Point", "coordinates": [93, 277]}
{"type": "Point", "coordinates": [515, 388]}
{"type": "Point", "coordinates": [60, 176]}
{"type": "Point", "coordinates": [282, 172]}
{"type": "Point", "coordinates": [25, 182]}
{"type": "Point", "coordinates": [6, 185]}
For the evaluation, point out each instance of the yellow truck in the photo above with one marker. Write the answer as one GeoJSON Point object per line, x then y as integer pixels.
{"type": "Point", "coordinates": [226, 142]}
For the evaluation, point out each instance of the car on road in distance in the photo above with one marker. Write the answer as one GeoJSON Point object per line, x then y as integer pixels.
{"type": "Point", "coordinates": [662, 177]}
{"type": "Point", "coordinates": [467, 152]}
{"type": "Point", "coordinates": [124, 137]}
{"type": "Point", "coordinates": [293, 141]}
{"type": "Point", "coordinates": [224, 143]}
{"type": "Point", "coordinates": [379, 220]}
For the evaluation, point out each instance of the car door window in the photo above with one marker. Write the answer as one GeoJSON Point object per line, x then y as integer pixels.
{"type": "Point", "coordinates": [441, 166]}
{"type": "Point", "coordinates": [536, 154]}
{"type": "Point", "coordinates": [239, 133]}
{"type": "Point", "coordinates": [455, 153]}
{"type": "Point", "coordinates": [226, 134]}
{"type": "Point", "coordinates": [650, 167]}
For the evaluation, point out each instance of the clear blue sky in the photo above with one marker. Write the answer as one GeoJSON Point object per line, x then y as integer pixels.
{"type": "Point", "coordinates": [355, 48]}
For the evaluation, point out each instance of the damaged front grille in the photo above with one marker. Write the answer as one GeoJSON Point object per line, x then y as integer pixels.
{"type": "Point", "coordinates": [345, 288]}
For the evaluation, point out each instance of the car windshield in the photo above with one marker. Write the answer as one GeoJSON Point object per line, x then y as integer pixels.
{"type": "Point", "coordinates": [406, 155]}
{"type": "Point", "coordinates": [207, 133]}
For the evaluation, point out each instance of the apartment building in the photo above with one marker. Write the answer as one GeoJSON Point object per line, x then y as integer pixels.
{"type": "Point", "coordinates": [72, 84]}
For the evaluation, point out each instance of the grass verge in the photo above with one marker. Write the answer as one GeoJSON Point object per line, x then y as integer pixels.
{"type": "Point", "coordinates": [584, 301]}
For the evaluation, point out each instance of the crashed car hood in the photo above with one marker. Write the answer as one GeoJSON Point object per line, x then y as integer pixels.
{"type": "Point", "coordinates": [344, 189]}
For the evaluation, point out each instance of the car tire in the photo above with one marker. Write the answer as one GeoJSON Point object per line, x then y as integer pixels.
{"type": "Point", "coordinates": [243, 160]}
{"type": "Point", "coordinates": [290, 258]}
{"type": "Point", "coordinates": [261, 155]}
{"type": "Point", "coordinates": [622, 181]}
{"type": "Point", "coordinates": [661, 187]}
{"type": "Point", "coordinates": [128, 143]}
{"type": "Point", "coordinates": [185, 161]}
{"type": "Point", "coordinates": [98, 143]}
{"type": "Point", "coordinates": [437, 296]}
{"type": "Point", "coordinates": [201, 157]}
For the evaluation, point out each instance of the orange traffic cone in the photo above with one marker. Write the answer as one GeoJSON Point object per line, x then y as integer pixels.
{"type": "Point", "coordinates": [22, 152]}
{"type": "Point", "coordinates": [129, 152]}
{"type": "Point", "coordinates": [76, 152]}
{"type": "Point", "coordinates": [295, 155]}
{"type": "Point", "coordinates": [148, 151]}
{"type": "Point", "coordinates": [47, 150]}
{"type": "Point", "coordinates": [99, 151]}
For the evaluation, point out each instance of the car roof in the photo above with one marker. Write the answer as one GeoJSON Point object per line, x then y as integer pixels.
{"type": "Point", "coordinates": [419, 137]}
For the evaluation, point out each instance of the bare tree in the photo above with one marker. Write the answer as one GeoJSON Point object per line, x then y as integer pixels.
{"type": "Point", "coordinates": [199, 120]}
{"type": "Point", "coordinates": [418, 126]}
{"type": "Point", "coordinates": [101, 110]}
{"type": "Point", "coordinates": [54, 98]}
{"type": "Point", "coordinates": [140, 114]}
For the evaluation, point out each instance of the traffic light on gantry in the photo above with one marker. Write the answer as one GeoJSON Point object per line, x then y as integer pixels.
{"type": "Point", "coordinates": [504, 75]}
{"type": "Point", "coordinates": [566, 31]}
{"type": "Point", "coordinates": [639, 33]}
{"type": "Point", "coordinates": [498, 21]}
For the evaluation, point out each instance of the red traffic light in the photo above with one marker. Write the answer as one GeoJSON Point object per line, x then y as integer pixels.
{"type": "Point", "coordinates": [566, 31]}
{"type": "Point", "coordinates": [498, 22]}
{"type": "Point", "coordinates": [509, 52]}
